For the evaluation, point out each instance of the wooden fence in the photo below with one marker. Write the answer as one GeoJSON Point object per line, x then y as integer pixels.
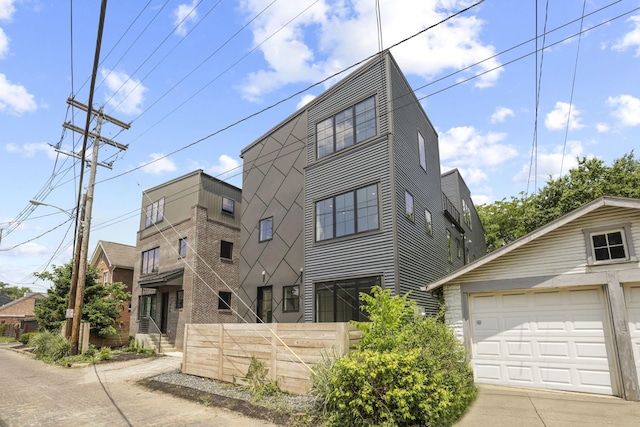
{"type": "Point", "coordinates": [223, 351]}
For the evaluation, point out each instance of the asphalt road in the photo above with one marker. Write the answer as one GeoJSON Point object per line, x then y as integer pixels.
{"type": "Point", "coordinates": [33, 393]}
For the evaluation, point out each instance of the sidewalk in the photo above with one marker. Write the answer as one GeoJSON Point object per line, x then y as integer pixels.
{"type": "Point", "coordinates": [506, 407]}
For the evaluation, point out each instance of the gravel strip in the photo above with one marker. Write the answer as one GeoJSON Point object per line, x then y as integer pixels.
{"type": "Point", "coordinates": [293, 402]}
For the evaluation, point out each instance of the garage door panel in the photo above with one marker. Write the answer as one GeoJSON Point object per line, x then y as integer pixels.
{"type": "Point", "coordinates": [547, 339]}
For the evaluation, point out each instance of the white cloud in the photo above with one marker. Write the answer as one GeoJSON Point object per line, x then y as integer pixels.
{"type": "Point", "coordinates": [602, 127]}
{"type": "Point", "coordinates": [7, 9]}
{"type": "Point", "coordinates": [30, 150]}
{"type": "Point", "coordinates": [632, 38]}
{"type": "Point", "coordinates": [557, 119]}
{"type": "Point", "coordinates": [4, 44]}
{"type": "Point", "coordinates": [481, 199]}
{"type": "Point", "coordinates": [501, 114]}
{"type": "Point", "coordinates": [315, 44]}
{"type": "Point", "coordinates": [126, 94]}
{"type": "Point", "coordinates": [467, 149]}
{"type": "Point", "coordinates": [305, 100]}
{"type": "Point", "coordinates": [626, 109]}
{"type": "Point", "coordinates": [29, 249]}
{"type": "Point", "coordinates": [227, 166]}
{"type": "Point", "coordinates": [183, 15]}
{"type": "Point", "coordinates": [14, 98]}
{"type": "Point", "coordinates": [549, 164]}
{"type": "Point", "coordinates": [158, 164]}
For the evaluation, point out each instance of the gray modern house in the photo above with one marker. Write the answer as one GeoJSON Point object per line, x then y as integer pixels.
{"type": "Point", "coordinates": [186, 268]}
{"type": "Point", "coordinates": [346, 194]}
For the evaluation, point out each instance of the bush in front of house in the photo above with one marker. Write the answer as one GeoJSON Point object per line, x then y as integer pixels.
{"type": "Point", "coordinates": [408, 370]}
{"type": "Point", "coordinates": [24, 338]}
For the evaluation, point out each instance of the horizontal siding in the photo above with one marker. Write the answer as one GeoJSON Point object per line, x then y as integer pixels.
{"type": "Point", "coordinates": [562, 251]}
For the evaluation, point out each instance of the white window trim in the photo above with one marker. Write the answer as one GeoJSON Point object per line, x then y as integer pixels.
{"type": "Point", "coordinates": [627, 241]}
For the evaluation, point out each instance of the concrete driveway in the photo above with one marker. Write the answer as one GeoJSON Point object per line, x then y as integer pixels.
{"type": "Point", "coordinates": [507, 406]}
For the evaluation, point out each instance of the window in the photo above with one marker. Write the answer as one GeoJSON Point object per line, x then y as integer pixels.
{"type": "Point", "coordinates": [408, 205]}
{"type": "Point", "coordinates": [179, 299]}
{"type": "Point", "coordinates": [182, 247]}
{"type": "Point", "coordinates": [348, 213]}
{"type": "Point", "coordinates": [154, 213]}
{"type": "Point", "coordinates": [346, 128]}
{"type": "Point", "coordinates": [146, 306]}
{"type": "Point", "coordinates": [266, 229]}
{"type": "Point", "coordinates": [226, 250]}
{"type": "Point", "coordinates": [428, 224]}
{"type": "Point", "coordinates": [291, 298]}
{"type": "Point", "coordinates": [466, 214]}
{"type": "Point", "coordinates": [150, 261]}
{"type": "Point", "coordinates": [224, 300]}
{"type": "Point", "coordinates": [339, 301]}
{"type": "Point", "coordinates": [458, 248]}
{"type": "Point", "coordinates": [609, 244]}
{"type": "Point", "coordinates": [105, 277]}
{"type": "Point", "coordinates": [449, 254]}
{"type": "Point", "coordinates": [228, 205]}
{"type": "Point", "coordinates": [421, 152]}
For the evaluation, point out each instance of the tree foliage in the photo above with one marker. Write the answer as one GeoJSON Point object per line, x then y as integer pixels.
{"type": "Point", "coordinates": [13, 292]}
{"type": "Point", "coordinates": [408, 370]}
{"type": "Point", "coordinates": [508, 219]}
{"type": "Point", "coordinates": [101, 303]}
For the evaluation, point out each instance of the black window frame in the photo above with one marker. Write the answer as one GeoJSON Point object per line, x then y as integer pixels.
{"type": "Point", "coordinates": [224, 300]}
{"type": "Point", "coordinates": [358, 209]}
{"type": "Point", "coordinates": [449, 246]}
{"type": "Point", "coordinates": [226, 247]}
{"type": "Point", "coordinates": [291, 302]}
{"type": "Point", "coordinates": [179, 299]}
{"type": "Point", "coordinates": [154, 213]}
{"type": "Point", "coordinates": [409, 214]}
{"type": "Point", "coordinates": [334, 131]}
{"type": "Point", "coordinates": [146, 257]}
{"type": "Point", "coordinates": [422, 152]}
{"type": "Point", "coordinates": [268, 220]}
{"type": "Point", "coordinates": [182, 247]}
{"type": "Point", "coordinates": [228, 210]}
{"type": "Point", "coordinates": [428, 222]}
{"type": "Point", "coordinates": [358, 285]}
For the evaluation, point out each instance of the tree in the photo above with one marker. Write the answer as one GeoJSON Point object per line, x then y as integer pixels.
{"type": "Point", "coordinates": [101, 306]}
{"type": "Point", "coordinates": [507, 220]}
{"type": "Point", "coordinates": [13, 292]}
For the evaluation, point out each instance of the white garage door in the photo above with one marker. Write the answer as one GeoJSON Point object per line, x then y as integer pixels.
{"type": "Point", "coordinates": [552, 339]}
{"type": "Point", "coordinates": [632, 299]}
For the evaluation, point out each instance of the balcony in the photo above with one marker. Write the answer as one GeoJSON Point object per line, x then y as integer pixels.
{"type": "Point", "coordinates": [451, 212]}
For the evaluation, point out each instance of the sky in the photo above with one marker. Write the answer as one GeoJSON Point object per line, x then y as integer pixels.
{"type": "Point", "coordinates": [517, 91]}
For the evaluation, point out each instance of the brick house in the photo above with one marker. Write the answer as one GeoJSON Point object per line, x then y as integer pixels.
{"type": "Point", "coordinates": [115, 262]}
{"type": "Point", "coordinates": [19, 315]}
{"type": "Point", "coordinates": [186, 268]}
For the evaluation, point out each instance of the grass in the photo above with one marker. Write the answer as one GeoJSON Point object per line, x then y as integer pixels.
{"type": "Point", "coordinates": [4, 340]}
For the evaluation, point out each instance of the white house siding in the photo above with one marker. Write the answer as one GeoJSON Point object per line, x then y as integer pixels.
{"type": "Point", "coordinates": [561, 251]}
{"type": "Point", "coordinates": [632, 298]}
{"type": "Point", "coordinates": [453, 313]}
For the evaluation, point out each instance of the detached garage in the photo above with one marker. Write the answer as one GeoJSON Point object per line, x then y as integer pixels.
{"type": "Point", "coordinates": [559, 308]}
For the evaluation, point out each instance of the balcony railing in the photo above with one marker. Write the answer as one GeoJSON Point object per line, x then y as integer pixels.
{"type": "Point", "coordinates": [451, 212]}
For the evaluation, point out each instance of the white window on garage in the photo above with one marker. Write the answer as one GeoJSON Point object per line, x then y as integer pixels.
{"type": "Point", "coordinates": [553, 339]}
{"type": "Point", "coordinates": [609, 244]}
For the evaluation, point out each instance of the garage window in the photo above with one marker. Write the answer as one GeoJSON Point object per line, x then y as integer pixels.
{"type": "Point", "coordinates": [609, 244]}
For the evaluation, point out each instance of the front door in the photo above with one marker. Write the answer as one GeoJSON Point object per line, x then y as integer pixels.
{"type": "Point", "coordinates": [164, 312]}
{"type": "Point", "coordinates": [264, 304]}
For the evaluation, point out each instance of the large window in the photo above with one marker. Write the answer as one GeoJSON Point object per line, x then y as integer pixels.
{"type": "Point", "coordinates": [150, 261]}
{"type": "Point", "coordinates": [347, 213]}
{"type": "Point", "coordinates": [226, 250]}
{"type": "Point", "coordinates": [291, 298]}
{"type": "Point", "coordinates": [346, 128]}
{"type": "Point", "coordinates": [228, 205]}
{"type": "Point", "coordinates": [146, 306]}
{"type": "Point", "coordinates": [224, 300]}
{"type": "Point", "coordinates": [266, 229]}
{"type": "Point", "coordinates": [339, 301]}
{"type": "Point", "coordinates": [421, 152]}
{"type": "Point", "coordinates": [154, 213]}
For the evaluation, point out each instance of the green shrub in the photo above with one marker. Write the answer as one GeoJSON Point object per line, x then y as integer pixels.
{"type": "Point", "coordinates": [409, 370]}
{"type": "Point", "coordinates": [105, 353]}
{"type": "Point", "coordinates": [24, 338]}
{"type": "Point", "coordinates": [50, 346]}
{"type": "Point", "coordinates": [257, 380]}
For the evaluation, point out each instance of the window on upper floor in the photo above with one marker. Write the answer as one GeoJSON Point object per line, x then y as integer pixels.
{"type": "Point", "coordinates": [291, 298]}
{"type": "Point", "coordinates": [228, 205]}
{"type": "Point", "coordinates": [224, 300]}
{"type": "Point", "coordinates": [428, 223]}
{"type": "Point", "coordinates": [408, 205]}
{"type": "Point", "coordinates": [421, 152]}
{"type": "Point", "coordinates": [609, 244]}
{"type": "Point", "coordinates": [179, 299]}
{"type": "Point", "coordinates": [348, 127]}
{"type": "Point", "coordinates": [449, 249]}
{"type": "Point", "coordinates": [347, 213]}
{"type": "Point", "coordinates": [458, 248]}
{"type": "Point", "coordinates": [266, 229]}
{"type": "Point", "coordinates": [150, 261]}
{"type": "Point", "coordinates": [226, 250]}
{"type": "Point", "coordinates": [105, 277]}
{"type": "Point", "coordinates": [154, 213]}
{"type": "Point", "coordinates": [182, 247]}
{"type": "Point", "coordinates": [466, 214]}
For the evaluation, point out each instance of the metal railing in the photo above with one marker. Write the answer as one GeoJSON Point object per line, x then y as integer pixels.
{"type": "Point", "coordinates": [150, 327]}
{"type": "Point", "coordinates": [451, 211]}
